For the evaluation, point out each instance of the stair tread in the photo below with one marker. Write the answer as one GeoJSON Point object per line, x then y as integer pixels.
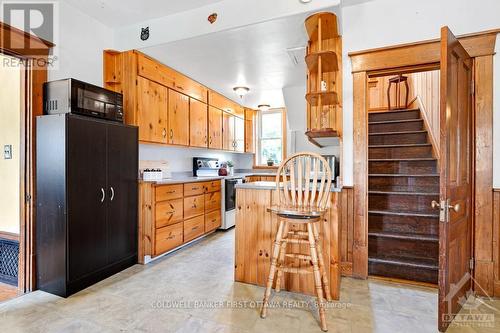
{"type": "Point", "coordinates": [402, 175]}
{"type": "Point", "coordinates": [393, 111]}
{"type": "Point", "coordinates": [401, 159]}
{"type": "Point", "coordinates": [404, 193]}
{"type": "Point", "coordinates": [416, 214]}
{"type": "Point", "coordinates": [395, 121]}
{"type": "Point", "coordinates": [404, 236]}
{"type": "Point", "coordinates": [417, 262]}
{"type": "Point", "coordinates": [401, 145]}
{"type": "Point", "coordinates": [396, 133]}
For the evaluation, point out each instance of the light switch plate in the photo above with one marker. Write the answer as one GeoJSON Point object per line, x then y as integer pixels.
{"type": "Point", "coordinates": [7, 152]}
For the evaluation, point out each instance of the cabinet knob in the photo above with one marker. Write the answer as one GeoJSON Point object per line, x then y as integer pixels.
{"type": "Point", "coordinates": [164, 133]}
{"type": "Point", "coordinates": [171, 134]}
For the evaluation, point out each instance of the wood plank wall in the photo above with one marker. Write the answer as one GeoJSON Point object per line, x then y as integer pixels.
{"type": "Point", "coordinates": [346, 219]}
{"type": "Point", "coordinates": [426, 86]}
{"type": "Point", "coordinates": [496, 243]}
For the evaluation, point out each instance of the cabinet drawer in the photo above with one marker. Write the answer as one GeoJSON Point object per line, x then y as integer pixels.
{"type": "Point", "coordinates": [190, 87]}
{"type": "Point", "coordinates": [194, 206]}
{"type": "Point", "coordinates": [193, 189]}
{"type": "Point", "coordinates": [212, 220]}
{"type": "Point", "coordinates": [168, 212]}
{"type": "Point", "coordinates": [212, 186]}
{"type": "Point", "coordinates": [168, 192]}
{"type": "Point", "coordinates": [167, 238]}
{"type": "Point", "coordinates": [194, 228]}
{"type": "Point", "coordinates": [153, 70]}
{"type": "Point", "coordinates": [212, 201]}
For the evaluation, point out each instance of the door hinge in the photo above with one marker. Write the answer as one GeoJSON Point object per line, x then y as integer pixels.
{"type": "Point", "coordinates": [28, 198]}
{"type": "Point", "coordinates": [471, 264]}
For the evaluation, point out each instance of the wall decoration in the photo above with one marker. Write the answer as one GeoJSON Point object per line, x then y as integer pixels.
{"type": "Point", "coordinates": [145, 33]}
{"type": "Point", "coordinates": [212, 18]}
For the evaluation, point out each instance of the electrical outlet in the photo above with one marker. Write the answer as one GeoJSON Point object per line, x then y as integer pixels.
{"type": "Point", "coordinates": [7, 152]}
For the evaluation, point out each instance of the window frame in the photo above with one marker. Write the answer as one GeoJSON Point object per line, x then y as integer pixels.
{"type": "Point", "coordinates": [258, 142]}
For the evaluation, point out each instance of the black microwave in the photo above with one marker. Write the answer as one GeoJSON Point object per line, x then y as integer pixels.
{"type": "Point", "coordinates": [77, 97]}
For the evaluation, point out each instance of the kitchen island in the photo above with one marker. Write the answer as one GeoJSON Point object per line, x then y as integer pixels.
{"type": "Point", "coordinates": [255, 233]}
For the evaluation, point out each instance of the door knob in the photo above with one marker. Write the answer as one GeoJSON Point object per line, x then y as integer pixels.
{"type": "Point", "coordinates": [455, 208]}
{"type": "Point", "coordinates": [435, 204]}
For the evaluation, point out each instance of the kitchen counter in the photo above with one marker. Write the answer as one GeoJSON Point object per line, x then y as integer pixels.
{"type": "Point", "coordinates": [271, 186]}
{"type": "Point", "coordinates": [256, 230]}
{"type": "Point", "coordinates": [177, 179]}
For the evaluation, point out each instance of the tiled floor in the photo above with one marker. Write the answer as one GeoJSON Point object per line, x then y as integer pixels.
{"type": "Point", "coordinates": [166, 296]}
{"type": "Point", "coordinates": [7, 292]}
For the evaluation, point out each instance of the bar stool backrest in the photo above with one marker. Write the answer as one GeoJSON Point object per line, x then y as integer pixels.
{"type": "Point", "coordinates": [303, 181]}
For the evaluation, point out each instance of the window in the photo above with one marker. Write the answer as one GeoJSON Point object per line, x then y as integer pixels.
{"type": "Point", "coordinates": [270, 137]}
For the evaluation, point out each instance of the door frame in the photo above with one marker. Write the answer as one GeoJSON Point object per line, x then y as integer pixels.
{"type": "Point", "coordinates": [416, 57]}
{"type": "Point", "coordinates": [33, 77]}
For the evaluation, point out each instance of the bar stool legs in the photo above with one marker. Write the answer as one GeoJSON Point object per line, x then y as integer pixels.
{"type": "Point", "coordinates": [311, 237]}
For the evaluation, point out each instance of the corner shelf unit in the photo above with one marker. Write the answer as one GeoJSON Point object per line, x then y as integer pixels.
{"type": "Point", "coordinates": [324, 80]}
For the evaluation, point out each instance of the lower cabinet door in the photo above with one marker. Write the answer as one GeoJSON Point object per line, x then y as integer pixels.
{"type": "Point", "coordinates": [169, 237]}
{"type": "Point", "coordinates": [194, 228]}
{"type": "Point", "coordinates": [212, 220]}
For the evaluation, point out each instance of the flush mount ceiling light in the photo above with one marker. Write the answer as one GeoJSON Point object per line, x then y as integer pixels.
{"type": "Point", "coordinates": [241, 91]}
{"type": "Point", "coordinates": [264, 107]}
{"type": "Point", "coordinates": [305, 1]}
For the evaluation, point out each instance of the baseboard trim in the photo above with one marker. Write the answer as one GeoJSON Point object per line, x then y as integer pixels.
{"type": "Point", "coordinates": [9, 236]}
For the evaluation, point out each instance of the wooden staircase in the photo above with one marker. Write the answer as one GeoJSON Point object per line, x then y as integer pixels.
{"type": "Point", "coordinates": [403, 229]}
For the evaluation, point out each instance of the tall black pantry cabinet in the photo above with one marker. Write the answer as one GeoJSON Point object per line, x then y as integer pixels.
{"type": "Point", "coordinates": [87, 199]}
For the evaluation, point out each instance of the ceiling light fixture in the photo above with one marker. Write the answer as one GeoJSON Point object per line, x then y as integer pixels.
{"type": "Point", "coordinates": [264, 107]}
{"type": "Point", "coordinates": [241, 91]}
{"type": "Point", "coordinates": [305, 1]}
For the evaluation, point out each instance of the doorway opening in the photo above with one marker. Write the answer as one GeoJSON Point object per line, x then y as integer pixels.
{"type": "Point", "coordinates": [11, 175]}
{"type": "Point", "coordinates": [403, 175]}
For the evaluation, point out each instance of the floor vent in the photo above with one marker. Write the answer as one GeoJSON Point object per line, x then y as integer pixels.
{"type": "Point", "coordinates": [9, 261]}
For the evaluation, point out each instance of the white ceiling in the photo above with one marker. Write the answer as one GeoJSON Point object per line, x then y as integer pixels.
{"type": "Point", "coordinates": [114, 13]}
{"type": "Point", "coordinates": [254, 56]}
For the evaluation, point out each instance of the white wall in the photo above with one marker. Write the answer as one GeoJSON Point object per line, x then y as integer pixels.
{"type": "Point", "coordinates": [388, 22]}
{"type": "Point", "coordinates": [181, 159]}
{"type": "Point", "coordinates": [79, 48]}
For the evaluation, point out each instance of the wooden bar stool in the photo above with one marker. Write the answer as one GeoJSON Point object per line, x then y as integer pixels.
{"type": "Point", "coordinates": [303, 184]}
{"type": "Point", "coordinates": [397, 80]}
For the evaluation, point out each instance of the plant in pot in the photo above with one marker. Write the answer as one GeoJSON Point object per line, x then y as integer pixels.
{"type": "Point", "coordinates": [230, 167]}
{"type": "Point", "coordinates": [270, 161]}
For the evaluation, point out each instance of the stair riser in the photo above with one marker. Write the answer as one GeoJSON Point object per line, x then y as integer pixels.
{"type": "Point", "coordinates": [403, 224]}
{"type": "Point", "coordinates": [381, 247]}
{"type": "Point", "coordinates": [396, 127]}
{"type": "Point", "coordinates": [400, 152]}
{"type": "Point", "coordinates": [402, 167]}
{"type": "Point", "coordinates": [404, 184]}
{"type": "Point", "coordinates": [384, 116]}
{"type": "Point", "coordinates": [402, 203]}
{"type": "Point", "coordinates": [394, 139]}
{"type": "Point", "coordinates": [403, 272]}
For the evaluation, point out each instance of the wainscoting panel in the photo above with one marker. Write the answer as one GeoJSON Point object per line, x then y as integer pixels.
{"type": "Point", "coordinates": [346, 219]}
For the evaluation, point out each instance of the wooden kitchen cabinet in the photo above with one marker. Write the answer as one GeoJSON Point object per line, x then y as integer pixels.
{"type": "Point", "coordinates": [194, 206]}
{"type": "Point", "coordinates": [178, 118]}
{"type": "Point", "coordinates": [168, 238]}
{"type": "Point", "coordinates": [228, 131]}
{"type": "Point", "coordinates": [169, 212]}
{"type": "Point", "coordinates": [214, 128]}
{"type": "Point", "coordinates": [194, 228]}
{"type": "Point", "coordinates": [212, 220]}
{"type": "Point", "coordinates": [198, 124]}
{"type": "Point", "coordinates": [249, 131]}
{"type": "Point", "coordinates": [239, 134]}
{"type": "Point", "coordinates": [152, 111]}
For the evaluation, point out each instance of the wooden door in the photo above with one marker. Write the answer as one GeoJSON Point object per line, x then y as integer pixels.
{"type": "Point", "coordinates": [151, 111]}
{"type": "Point", "coordinates": [249, 138]}
{"type": "Point", "coordinates": [239, 134]}
{"type": "Point", "coordinates": [455, 228]}
{"type": "Point", "coordinates": [122, 193]}
{"type": "Point", "coordinates": [86, 182]}
{"type": "Point", "coordinates": [214, 128]}
{"type": "Point", "coordinates": [178, 118]}
{"type": "Point", "coordinates": [198, 124]}
{"type": "Point", "coordinates": [227, 131]}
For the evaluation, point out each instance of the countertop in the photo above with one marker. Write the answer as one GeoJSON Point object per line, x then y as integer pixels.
{"type": "Point", "coordinates": [191, 179]}
{"type": "Point", "coordinates": [271, 186]}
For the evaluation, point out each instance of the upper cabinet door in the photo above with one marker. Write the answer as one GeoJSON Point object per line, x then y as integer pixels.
{"type": "Point", "coordinates": [249, 137]}
{"type": "Point", "coordinates": [178, 118]}
{"type": "Point", "coordinates": [228, 131]}
{"type": "Point", "coordinates": [152, 111]}
{"type": "Point", "coordinates": [239, 134]}
{"type": "Point", "coordinates": [214, 128]}
{"type": "Point", "coordinates": [198, 125]}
